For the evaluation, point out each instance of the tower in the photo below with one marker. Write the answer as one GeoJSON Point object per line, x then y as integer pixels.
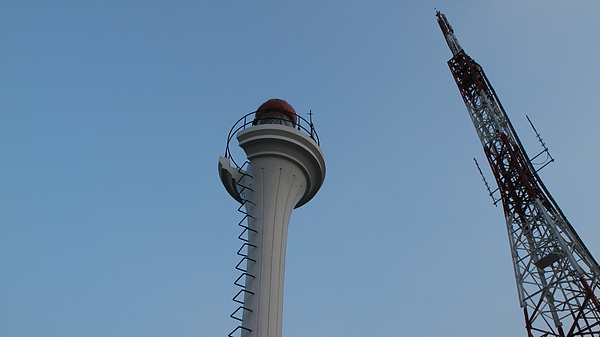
{"type": "Point", "coordinates": [558, 280]}
{"type": "Point", "coordinates": [285, 169]}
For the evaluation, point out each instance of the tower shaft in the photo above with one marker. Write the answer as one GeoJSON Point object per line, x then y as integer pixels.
{"type": "Point", "coordinates": [558, 280]}
{"type": "Point", "coordinates": [276, 187]}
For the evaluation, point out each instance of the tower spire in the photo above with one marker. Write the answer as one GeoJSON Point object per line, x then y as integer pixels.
{"type": "Point", "coordinates": [558, 280]}
{"type": "Point", "coordinates": [448, 33]}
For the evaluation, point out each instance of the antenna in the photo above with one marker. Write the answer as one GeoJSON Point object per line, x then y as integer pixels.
{"type": "Point", "coordinates": [549, 159]}
{"type": "Point", "coordinates": [558, 280]}
{"type": "Point", "coordinates": [310, 122]}
{"type": "Point", "coordinates": [487, 186]}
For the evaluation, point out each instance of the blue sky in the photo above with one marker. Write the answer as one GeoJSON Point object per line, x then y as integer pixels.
{"type": "Point", "coordinates": [113, 114]}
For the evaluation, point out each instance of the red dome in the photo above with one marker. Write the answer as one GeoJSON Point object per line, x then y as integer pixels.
{"type": "Point", "coordinates": [275, 107]}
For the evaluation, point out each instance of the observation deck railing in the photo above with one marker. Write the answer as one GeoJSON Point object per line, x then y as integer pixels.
{"type": "Point", "coordinates": [249, 120]}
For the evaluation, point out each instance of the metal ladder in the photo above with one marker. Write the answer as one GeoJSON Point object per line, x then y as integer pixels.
{"type": "Point", "coordinates": [243, 252]}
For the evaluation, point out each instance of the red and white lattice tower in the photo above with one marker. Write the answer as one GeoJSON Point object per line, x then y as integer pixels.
{"type": "Point", "coordinates": [284, 170]}
{"type": "Point", "coordinates": [558, 280]}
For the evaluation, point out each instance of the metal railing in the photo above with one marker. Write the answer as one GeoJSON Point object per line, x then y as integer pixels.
{"type": "Point", "coordinates": [249, 120]}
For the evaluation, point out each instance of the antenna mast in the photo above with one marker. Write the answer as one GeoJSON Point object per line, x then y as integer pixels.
{"type": "Point", "coordinates": [558, 280]}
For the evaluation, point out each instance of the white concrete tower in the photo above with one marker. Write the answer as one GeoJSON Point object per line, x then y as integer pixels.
{"type": "Point", "coordinates": [286, 169]}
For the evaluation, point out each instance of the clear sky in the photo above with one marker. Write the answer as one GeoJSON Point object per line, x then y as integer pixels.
{"type": "Point", "coordinates": [113, 114]}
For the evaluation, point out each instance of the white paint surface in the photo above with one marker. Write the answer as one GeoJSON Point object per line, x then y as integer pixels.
{"type": "Point", "coordinates": [287, 169]}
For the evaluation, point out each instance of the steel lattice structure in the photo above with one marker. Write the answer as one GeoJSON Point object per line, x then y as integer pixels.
{"type": "Point", "coordinates": [558, 280]}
